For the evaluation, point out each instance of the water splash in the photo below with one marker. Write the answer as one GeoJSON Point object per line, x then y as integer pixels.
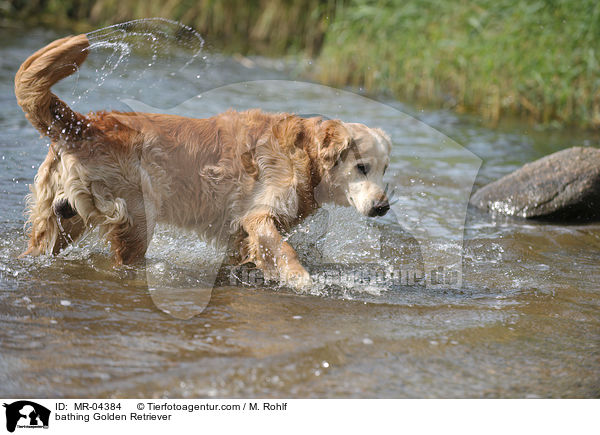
{"type": "Point", "coordinates": [157, 51]}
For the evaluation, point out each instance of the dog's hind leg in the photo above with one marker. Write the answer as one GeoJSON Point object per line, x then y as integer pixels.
{"type": "Point", "coordinates": [69, 230]}
{"type": "Point", "coordinates": [43, 235]}
{"type": "Point", "coordinates": [49, 233]}
{"type": "Point", "coordinates": [130, 229]}
{"type": "Point", "coordinates": [129, 242]}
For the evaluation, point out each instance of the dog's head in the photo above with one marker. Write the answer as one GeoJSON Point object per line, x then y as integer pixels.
{"type": "Point", "coordinates": [353, 159]}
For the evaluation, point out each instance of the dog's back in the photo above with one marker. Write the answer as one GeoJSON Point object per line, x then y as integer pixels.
{"type": "Point", "coordinates": [127, 171]}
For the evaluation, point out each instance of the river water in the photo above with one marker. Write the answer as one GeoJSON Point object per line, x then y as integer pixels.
{"type": "Point", "coordinates": [522, 320]}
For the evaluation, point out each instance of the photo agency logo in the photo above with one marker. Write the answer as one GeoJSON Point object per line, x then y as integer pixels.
{"type": "Point", "coordinates": [401, 226]}
{"type": "Point", "coordinates": [24, 414]}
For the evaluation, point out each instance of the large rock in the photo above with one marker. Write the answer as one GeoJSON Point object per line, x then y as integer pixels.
{"type": "Point", "coordinates": [564, 186]}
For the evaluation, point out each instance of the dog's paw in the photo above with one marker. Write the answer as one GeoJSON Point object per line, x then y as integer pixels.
{"type": "Point", "coordinates": [297, 278]}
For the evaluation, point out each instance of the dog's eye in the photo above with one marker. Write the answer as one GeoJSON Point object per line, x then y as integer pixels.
{"type": "Point", "coordinates": [362, 168]}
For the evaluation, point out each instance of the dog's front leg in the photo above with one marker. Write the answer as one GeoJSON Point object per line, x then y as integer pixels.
{"type": "Point", "coordinates": [273, 255]}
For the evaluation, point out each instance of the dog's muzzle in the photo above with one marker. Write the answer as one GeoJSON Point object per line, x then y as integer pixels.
{"type": "Point", "coordinates": [380, 208]}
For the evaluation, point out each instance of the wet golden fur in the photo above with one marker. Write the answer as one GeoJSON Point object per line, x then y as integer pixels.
{"type": "Point", "coordinates": [238, 177]}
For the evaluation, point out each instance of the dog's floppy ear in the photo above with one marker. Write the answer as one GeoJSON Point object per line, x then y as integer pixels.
{"type": "Point", "coordinates": [285, 139]}
{"type": "Point", "coordinates": [334, 143]}
{"type": "Point", "coordinates": [290, 133]}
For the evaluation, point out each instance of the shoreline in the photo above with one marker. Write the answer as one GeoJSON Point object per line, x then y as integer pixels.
{"type": "Point", "coordinates": [497, 60]}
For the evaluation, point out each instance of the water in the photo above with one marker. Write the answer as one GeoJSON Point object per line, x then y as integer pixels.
{"type": "Point", "coordinates": [524, 322]}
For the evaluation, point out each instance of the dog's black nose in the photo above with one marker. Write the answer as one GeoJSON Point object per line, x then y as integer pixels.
{"type": "Point", "coordinates": [380, 208]}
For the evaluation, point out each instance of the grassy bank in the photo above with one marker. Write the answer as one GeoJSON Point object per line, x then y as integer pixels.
{"type": "Point", "coordinates": [538, 60]}
{"type": "Point", "coordinates": [261, 26]}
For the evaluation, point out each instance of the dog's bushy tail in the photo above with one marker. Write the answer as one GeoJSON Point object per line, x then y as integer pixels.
{"type": "Point", "coordinates": [48, 113]}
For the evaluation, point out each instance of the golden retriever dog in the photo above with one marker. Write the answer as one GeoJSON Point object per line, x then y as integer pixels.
{"type": "Point", "coordinates": [242, 178]}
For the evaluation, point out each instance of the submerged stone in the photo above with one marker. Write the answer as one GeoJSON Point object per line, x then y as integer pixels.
{"type": "Point", "coordinates": [564, 186]}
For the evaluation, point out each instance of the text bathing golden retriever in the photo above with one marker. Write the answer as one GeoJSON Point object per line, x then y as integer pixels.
{"type": "Point", "coordinates": [239, 178]}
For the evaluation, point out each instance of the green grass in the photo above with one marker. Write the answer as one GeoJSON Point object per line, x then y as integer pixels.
{"type": "Point", "coordinates": [539, 60]}
{"type": "Point", "coordinates": [536, 59]}
{"type": "Point", "coordinates": [265, 26]}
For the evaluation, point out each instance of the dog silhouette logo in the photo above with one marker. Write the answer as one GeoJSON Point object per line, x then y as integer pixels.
{"type": "Point", "coordinates": [26, 414]}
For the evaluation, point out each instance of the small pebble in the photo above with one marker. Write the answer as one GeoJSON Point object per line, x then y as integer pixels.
{"type": "Point", "coordinates": [65, 303]}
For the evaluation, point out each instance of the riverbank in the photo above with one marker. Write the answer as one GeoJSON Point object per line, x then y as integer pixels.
{"type": "Point", "coordinates": [497, 59]}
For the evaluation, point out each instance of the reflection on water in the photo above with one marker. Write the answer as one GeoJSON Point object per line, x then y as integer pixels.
{"type": "Point", "coordinates": [524, 323]}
